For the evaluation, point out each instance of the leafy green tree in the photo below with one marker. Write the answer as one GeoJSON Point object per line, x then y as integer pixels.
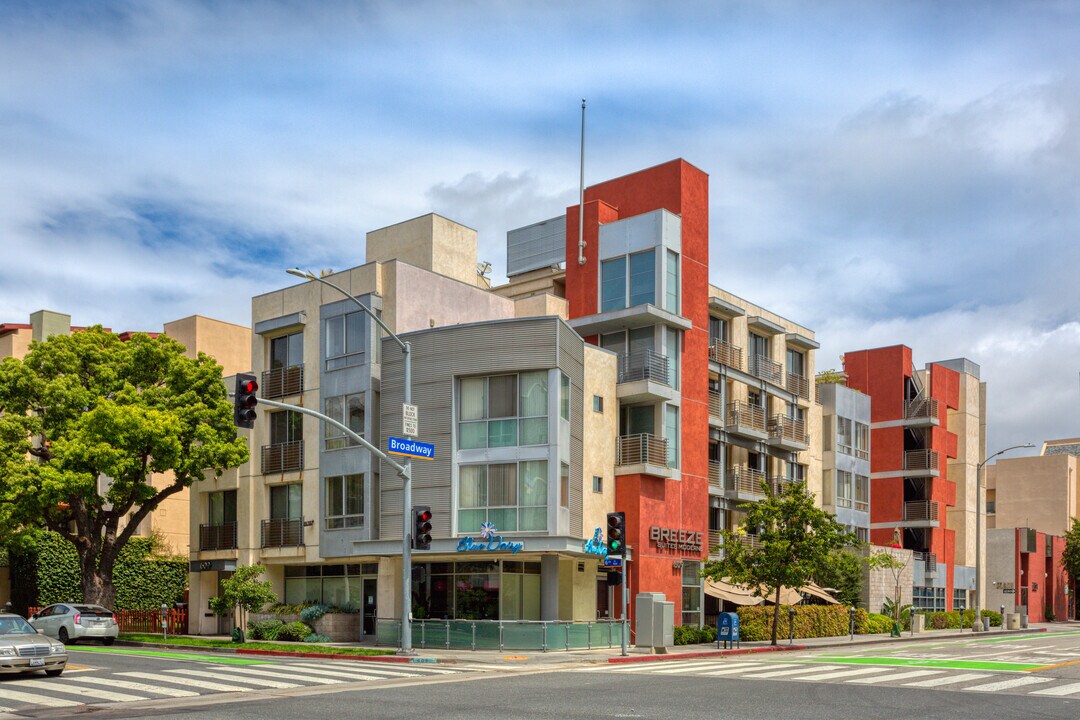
{"type": "Point", "coordinates": [88, 423]}
{"type": "Point", "coordinates": [1070, 558]}
{"type": "Point", "coordinates": [797, 539]}
{"type": "Point", "coordinates": [242, 593]}
{"type": "Point", "coordinates": [843, 572]}
{"type": "Point", "coordinates": [895, 566]}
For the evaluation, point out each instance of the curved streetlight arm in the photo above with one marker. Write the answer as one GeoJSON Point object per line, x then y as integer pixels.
{"type": "Point", "coordinates": [1002, 452]}
{"type": "Point", "coordinates": [311, 276]}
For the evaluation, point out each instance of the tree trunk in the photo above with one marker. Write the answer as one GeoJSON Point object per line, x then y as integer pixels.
{"type": "Point", "coordinates": [97, 584]}
{"type": "Point", "coordinates": [776, 614]}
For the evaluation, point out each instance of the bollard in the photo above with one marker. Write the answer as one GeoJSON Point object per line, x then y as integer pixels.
{"type": "Point", "coordinates": [165, 624]}
{"type": "Point", "coordinates": [1002, 616]}
{"type": "Point", "coordinates": [791, 625]}
{"type": "Point", "coordinates": [851, 616]}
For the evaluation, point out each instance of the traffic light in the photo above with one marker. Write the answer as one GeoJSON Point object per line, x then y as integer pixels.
{"type": "Point", "coordinates": [421, 539]}
{"type": "Point", "coordinates": [614, 578]}
{"type": "Point", "coordinates": [245, 400]}
{"type": "Point", "coordinates": [616, 534]}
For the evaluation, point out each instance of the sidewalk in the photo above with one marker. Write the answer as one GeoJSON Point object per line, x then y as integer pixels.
{"type": "Point", "coordinates": [613, 655]}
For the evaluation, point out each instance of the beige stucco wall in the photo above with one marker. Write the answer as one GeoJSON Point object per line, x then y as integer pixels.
{"type": "Point", "coordinates": [535, 282]}
{"type": "Point", "coordinates": [227, 343]}
{"type": "Point", "coordinates": [541, 305]}
{"type": "Point", "coordinates": [598, 436]}
{"type": "Point", "coordinates": [431, 242]}
{"type": "Point", "coordinates": [577, 589]}
{"type": "Point", "coordinates": [967, 421]}
{"type": "Point", "coordinates": [16, 344]}
{"type": "Point", "coordinates": [415, 299]}
{"type": "Point", "coordinates": [1037, 492]}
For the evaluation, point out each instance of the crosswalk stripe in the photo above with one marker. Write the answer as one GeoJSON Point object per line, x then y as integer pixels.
{"type": "Point", "coordinates": [893, 678]}
{"type": "Point", "coordinates": [29, 699]}
{"type": "Point", "coordinates": [799, 670]}
{"type": "Point", "coordinates": [653, 665]}
{"type": "Point", "coordinates": [65, 689]}
{"type": "Point", "coordinates": [204, 684]}
{"type": "Point", "coordinates": [301, 673]}
{"type": "Point", "coordinates": [262, 682]}
{"type": "Point", "coordinates": [286, 675]}
{"type": "Point", "coordinates": [947, 680]}
{"type": "Point", "coordinates": [693, 667]}
{"type": "Point", "coordinates": [1007, 684]}
{"type": "Point", "coordinates": [1070, 689]}
{"type": "Point", "coordinates": [730, 671]}
{"type": "Point", "coordinates": [850, 672]}
{"type": "Point", "coordinates": [366, 670]}
{"type": "Point", "coordinates": [128, 685]}
{"type": "Point", "coordinates": [395, 668]}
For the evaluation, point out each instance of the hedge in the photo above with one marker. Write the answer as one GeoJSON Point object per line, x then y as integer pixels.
{"type": "Point", "coordinates": [755, 622]}
{"type": "Point", "coordinates": [45, 570]}
{"type": "Point", "coordinates": [694, 635]}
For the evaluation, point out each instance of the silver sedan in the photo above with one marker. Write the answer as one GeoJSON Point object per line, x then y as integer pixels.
{"type": "Point", "coordinates": [22, 649]}
{"type": "Point", "coordinates": [71, 622]}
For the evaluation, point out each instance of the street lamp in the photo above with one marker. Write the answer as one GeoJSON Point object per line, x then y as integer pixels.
{"type": "Point", "coordinates": [405, 471]}
{"type": "Point", "coordinates": [978, 528]}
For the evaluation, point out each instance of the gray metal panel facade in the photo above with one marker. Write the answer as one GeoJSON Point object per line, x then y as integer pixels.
{"type": "Point", "coordinates": [441, 355]}
{"type": "Point", "coordinates": [535, 246]}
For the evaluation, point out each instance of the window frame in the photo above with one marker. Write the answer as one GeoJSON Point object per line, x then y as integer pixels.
{"type": "Point", "coordinates": [346, 358]}
{"type": "Point", "coordinates": [519, 421]}
{"type": "Point", "coordinates": [484, 510]}
{"type": "Point", "coordinates": [345, 519]}
{"type": "Point", "coordinates": [334, 438]}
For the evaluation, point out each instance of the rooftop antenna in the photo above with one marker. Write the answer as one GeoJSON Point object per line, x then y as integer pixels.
{"type": "Point", "coordinates": [581, 194]}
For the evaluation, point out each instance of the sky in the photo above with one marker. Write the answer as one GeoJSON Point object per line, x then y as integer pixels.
{"type": "Point", "coordinates": [881, 172]}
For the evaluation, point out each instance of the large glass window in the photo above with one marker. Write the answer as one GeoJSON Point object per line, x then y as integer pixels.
{"type": "Point", "coordinates": [613, 284]}
{"type": "Point", "coordinates": [928, 598]}
{"type": "Point", "coordinates": [564, 397]}
{"type": "Point", "coordinates": [862, 493]}
{"type": "Point", "coordinates": [643, 278]}
{"type": "Point", "coordinates": [862, 441]}
{"type": "Point", "coordinates": [691, 592]}
{"type": "Point", "coordinates": [286, 502]}
{"type": "Point", "coordinates": [619, 290]}
{"type": "Point", "coordinates": [564, 485]}
{"type": "Point", "coordinates": [287, 351]}
{"type": "Point", "coordinates": [334, 585]}
{"type": "Point", "coordinates": [348, 410]}
{"type": "Point", "coordinates": [843, 489]}
{"type": "Point", "coordinates": [513, 496]}
{"type": "Point", "coordinates": [718, 329]}
{"type": "Point", "coordinates": [671, 282]}
{"type": "Point", "coordinates": [286, 426]}
{"type": "Point", "coordinates": [671, 433]}
{"type": "Point", "coordinates": [844, 435]}
{"type": "Point", "coordinates": [345, 501]}
{"type": "Point", "coordinates": [221, 507]}
{"type": "Point", "coordinates": [503, 410]}
{"type": "Point", "coordinates": [345, 340]}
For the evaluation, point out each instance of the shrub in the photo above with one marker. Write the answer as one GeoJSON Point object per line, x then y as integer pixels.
{"type": "Point", "coordinates": [265, 629]}
{"type": "Point", "coordinates": [317, 638]}
{"type": "Point", "coordinates": [755, 622]}
{"type": "Point", "coordinates": [294, 632]}
{"type": "Point", "coordinates": [313, 612]}
{"type": "Point", "coordinates": [878, 624]}
{"type": "Point", "coordinates": [694, 635]}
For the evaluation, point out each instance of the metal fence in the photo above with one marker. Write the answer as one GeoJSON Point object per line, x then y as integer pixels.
{"type": "Point", "coordinates": [504, 634]}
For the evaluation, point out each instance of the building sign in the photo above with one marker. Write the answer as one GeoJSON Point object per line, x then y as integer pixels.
{"type": "Point", "coordinates": [676, 539]}
{"type": "Point", "coordinates": [411, 448]}
{"type": "Point", "coordinates": [596, 545]}
{"type": "Point", "coordinates": [489, 541]}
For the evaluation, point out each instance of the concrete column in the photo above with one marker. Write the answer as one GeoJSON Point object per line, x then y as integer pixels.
{"type": "Point", "coordinates": [549, 587]}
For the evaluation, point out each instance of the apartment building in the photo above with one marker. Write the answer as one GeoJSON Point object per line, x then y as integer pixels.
{"type": "Point", "coordinates": [845, 476]}
{"type": "Point", "coordinates": [1035, 492]}
{"type": "Point", "coordinates": [1027, 575]}
{"type": "Point", "coordinates": [928, 433]}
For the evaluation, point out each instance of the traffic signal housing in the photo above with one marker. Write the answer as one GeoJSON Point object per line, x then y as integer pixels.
{"type": "Point", "coordinates": [616, 534]}
{"type": "Point", "coordinates": [245, 400]}
{"type": "Point", "coordinates": [421, 539]}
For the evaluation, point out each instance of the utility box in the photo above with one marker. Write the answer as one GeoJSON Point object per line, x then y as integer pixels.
{"type": "Point", "coordinates": [918, 622]}
{"type": "Point", "coordinates": [664, 625]}
{"type": "Point", "coordinates": [654, 622]}
{"type": "Point", "coordinates": [1012, 621]}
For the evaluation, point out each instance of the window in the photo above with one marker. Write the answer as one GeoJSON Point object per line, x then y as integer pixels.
{"type": "Point", "coordinates": [796, 363]}
{"type": "Point", "coordinates": [513, 496]}
{"type": "Point", "coordinates": [503, 410]}
{"type": "Point", "coordinates": [564, 486]}
{"type": "Point", "coordinates": [286, 502]}
{"type": "Point", "coordinates": [286, 427]}
{"type": "Point", "coordinates": [613, 284]}
{"type": "Point", "coordinates": [618, 289]}
{"type": "Point", "coordinates": [338, 585]}
{"type": "Point", "coordinates": [671, 433]}
{"type": "Point", "coordinates": [345, 501]}
{"type": "Point", "coordinates": [345, 340]}
{"type": "Point", "coordinates": [564, 397]}
{"type": "Point", "coordinates": [598, 403]}
{"type": "Point", "coordinates": [862, 493]}
{"type": "Point", "coordinates": [671, 282]}
{"type": "Point", "coordinates": [718, 330]}
{"type": "Point", "coordinates": [759, 345]}
{"type": "Point", "coordinates": [691, 592]}
{"type": "Point", "coordinates": [862, 441]}
{"type": "Point", "coordinates": [221, 507]}
{"type": "Point", "coordinates": [959, 599]}
{"type": "Point", "coordinates": [287, 351]}
{"type": "Point", "coordinates": [643, 278]}
{"type": "Point", "coordinates": [348, 410]}
{"type": "Point", "coordinates": [796, 472]}
{"type": "Point", "coordinates": [843, 489]}
{"type": "Point", "coordinates": [928, 598]}
{"type": "Point", "coordinates": [844, 435]}
{"type": "Point", "coordinates": [597, 484]}
{"type": "Point", "coordinates": [673, 346]}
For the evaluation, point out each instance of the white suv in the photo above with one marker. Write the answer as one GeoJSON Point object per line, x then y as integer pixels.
{"type": "Point", "coordinates": [70, 622]}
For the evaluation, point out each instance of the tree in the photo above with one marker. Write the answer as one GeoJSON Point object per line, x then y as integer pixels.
{"type": "Point", "coordinates": [887, 561]}
{"type": "Point", "coordinates": [243, 593]}
{"type": "Point", "coordinates": [87, 424]}
{"type": "Point", "coordinates": [796, 538]}
{"type": "Point", "coordinates": [1070, 558]}
{"type": "Point", "coordinates": [843, 572]}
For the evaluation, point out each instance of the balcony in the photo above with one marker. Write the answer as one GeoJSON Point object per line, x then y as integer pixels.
{"type": "Point", "coordinates": [283, 457]}
{"type": "Point", "coordinates": [715, 551]}
{"type": "Point", "coordinates": [922, 412]}
{"type": "Point", "coordinates": [746, 419]}
{"type": "Point", "coordinates": [921, 513]}
{"type": "Point", "coordinates": [769, 371]}
{"type": "Point", "coordinates": [641, 454]}
{"type": "Point", "coordinates": [744, 484]}
{"type": "Point", "coordinates": [217, 537]}
{"type": "Point", "coordinates": [716, 478]}
{"type": "Point", "coordinates": [283, 532]}
{"type": "Point", "coordinates": [921, 463]}
{"type": "Point", "coordinates": [644, 376]}
{"type": "Point", "coordinates": [725, 354]}
{"type": "Point", "coordinates": [716, 409]}
{"type": "Point", "coordinates": [788, 434]}
{"type": "Point", "coordinates": [750, 541]}
{"type": "Point", "coordinates": [798, 385]}
{"type": "Point", "coordinates": [282, 382]}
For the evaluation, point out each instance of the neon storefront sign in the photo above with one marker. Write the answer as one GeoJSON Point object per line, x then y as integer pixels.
{"type": "Point", "coordinates": [596, 545]}
{"type": "Point", "coordinates": [490, 541]}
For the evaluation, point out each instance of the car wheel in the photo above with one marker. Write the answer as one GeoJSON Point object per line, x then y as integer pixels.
{"type": "Point", "coordinates": [64, 637]}
{"type": "Point", "coordinates": [54, 673]}
{"type": "Point", "coordinates": [108, 641]}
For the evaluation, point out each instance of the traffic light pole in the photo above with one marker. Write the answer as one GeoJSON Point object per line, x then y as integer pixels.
{"type": "Point", "coordinates": [625, 604]}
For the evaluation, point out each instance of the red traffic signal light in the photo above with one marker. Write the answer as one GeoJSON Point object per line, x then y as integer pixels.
{"type": "Point", "coordinates": [245, 400]}
{"type": "Point", "coordinates": [421, 539]}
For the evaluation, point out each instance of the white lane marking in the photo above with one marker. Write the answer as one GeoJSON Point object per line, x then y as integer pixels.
{"type": "Point", "coordinates": [947, 680]}
{"type": "Point", "coordinates": [128, 685]}
{"type": "Point", "coordinates": [277, 684]}
{"type": "Point", "coordinates": [728, 671]}
{"type": "Point", "coordinates": [365, 671]}
{"type": "Point", "coordinates": [1007, 684]}
{"type": "Point", "coordinates": [64, 689]}
{"type": "Point", "coordinates": [1070, 689]}
{"type": "Point", "coordinates": [654, 666]}
{"type": "Point", "coordinates": [693, 667]}
{"type": "Point", "coordinates": [268, 674]}
{"type": "Point", "coordinates": [158, 677]}
{"type": "Point", "coordinates": [893, 678]}
{"type": "Point", "coordinates": [850, 672]}
{"type": "Point", "coordinates": [801, 669]}
{"type": "Point", "coordinates": [419, 668]}
{"type": "Point", "coordinates": [301, 673]}
{"type": "Point", "coordinates": [29, 699]}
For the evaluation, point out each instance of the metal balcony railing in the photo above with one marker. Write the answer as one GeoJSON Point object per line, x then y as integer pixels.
{"type": "Point", "coordinates": [716, 476]}
{"type": "Point", "coordinates": [284, 381]}
{"type": "Point", "coordinates": [921, 460]}
{"type": "Point", "coordinates": [716, 407]}
{"type": "Point", "coordinates": [766, 369]}
{"type": "Point", "coordinates": [921, 409]}
{"type": "Point", "coordinates": [641, 449]}
{"type": "Point", "coordinates": [283, 532]}
{"type": "Point", "coordinates": [921, 510]}
{"type": "Point", "coordinates": [781, 427]}
{"type": "Point", "coordinates": [725, 354]}
{"type": "Point", "coordinates": [715, 551]}
{"type": "Point", "coordinates": [799, 385]}
{"type": "Point", "coordinates": [644, 365]}
{"type": "Point", "coordinates": [746, 416]}
{"type": "Point", "coordinates": [750, 541]}
{"type": "Point", "coordinates": [217, 537]}
{"type": "Point", "coordinates": [283, 457]}
{"type": "Point", "coordinates": [744, 480]}
{"type": "Point", "coordinates": [929, 561]}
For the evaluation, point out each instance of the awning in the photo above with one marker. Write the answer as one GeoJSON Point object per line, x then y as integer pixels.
{"type": "Point", "coordinates": [741, 595]}
{"type": "Point", "coordinates": [819, 592]}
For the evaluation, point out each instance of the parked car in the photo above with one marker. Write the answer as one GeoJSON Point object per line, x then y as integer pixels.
{"type": "Point", "coordinates": [22, 649]}
{"type": "Point", "coordinates": [71, 622]}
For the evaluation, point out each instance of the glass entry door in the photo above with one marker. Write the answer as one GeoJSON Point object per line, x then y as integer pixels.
{"type": "Point", "coordinates": [371, 597]}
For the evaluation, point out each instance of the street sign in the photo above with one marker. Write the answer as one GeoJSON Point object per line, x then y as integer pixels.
{"type": "Point", "coordinates": [615, 562]}
{"type": "Point", "coordinates": [410, 448]}
{"type": "Point", "coordinates": [410, 420]}
{"type": "Point", "coordinates": [1009, 591]}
